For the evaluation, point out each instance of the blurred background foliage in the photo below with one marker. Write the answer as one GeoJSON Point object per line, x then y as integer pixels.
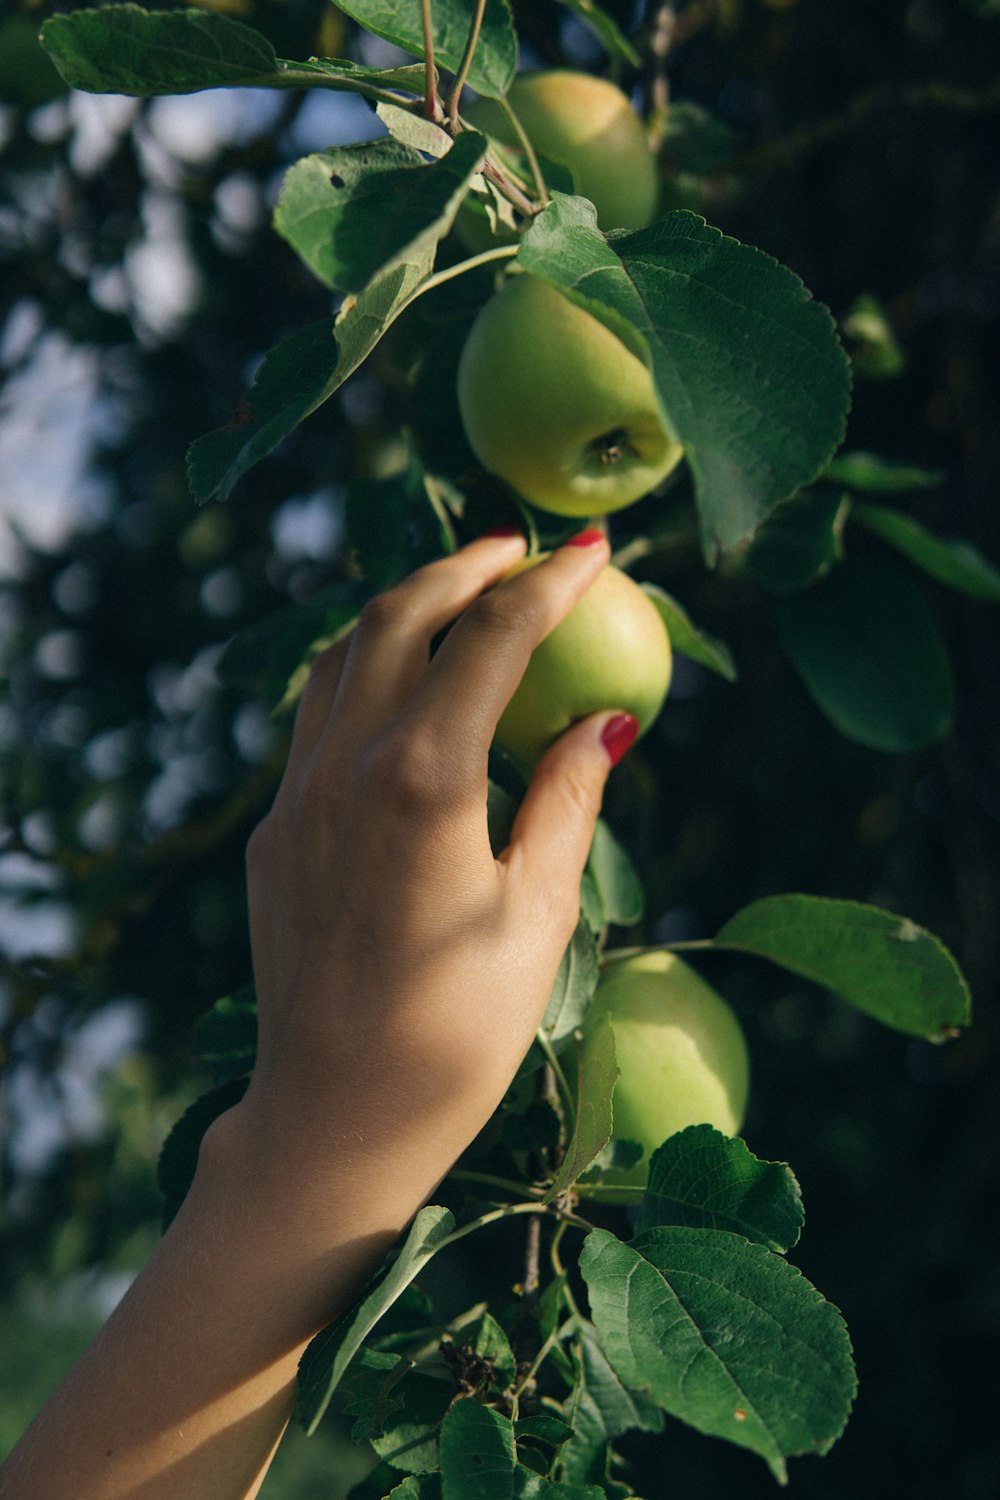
{"type": "Point", "coordinates": [140, 283]}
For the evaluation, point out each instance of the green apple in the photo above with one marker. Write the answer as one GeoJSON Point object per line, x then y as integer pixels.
{"type": "Point", "coordinates": [557, 406]}
{"type": "Point", "coordinates": [587, 125]}
{"type": "Point", "coordinates": [681, 1050]}
{"type": "Point", "coordinates": [611, 651]}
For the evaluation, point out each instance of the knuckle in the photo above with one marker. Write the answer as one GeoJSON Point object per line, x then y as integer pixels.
{"type": "Point", "coordinates": [410, 772]}
{"type": "Point", "coordinates": [389, 611]}
{"type": "Point", "coordinates": [504, 612]}
{"type": "Point", "coordinates": [259, 843]}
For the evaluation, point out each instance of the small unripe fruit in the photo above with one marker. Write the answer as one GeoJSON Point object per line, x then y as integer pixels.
{"type": "Point", "coordinates": [681, 1050]}
{"type": "Point", "coordinates": [610, 652]}
{"type": "Point", "coordinates": [555, 404]}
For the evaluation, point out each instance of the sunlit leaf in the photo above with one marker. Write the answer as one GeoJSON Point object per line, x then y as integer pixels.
{"type": "Point", "coordinates": [724, 1335]}
{"type": "Point", "coordinates": [882, 964]}
{"type": "Point", "coordinates": [751, 377]}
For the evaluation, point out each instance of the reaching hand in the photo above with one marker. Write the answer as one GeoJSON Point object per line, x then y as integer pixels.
{"type": "Point", "coordinates": [401, 968]}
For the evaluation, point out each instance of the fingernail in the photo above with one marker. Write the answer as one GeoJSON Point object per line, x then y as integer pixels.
{"type": "Point", "coordinates": [502, 531]}
{"type": "Point", "coordinates": [618, 735]}
{"type": "Point", "coordinates": [588, 538]}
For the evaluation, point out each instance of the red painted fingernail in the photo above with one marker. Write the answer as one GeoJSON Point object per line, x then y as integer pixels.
{"type": "Point", "coordinates": [588, 538]}
{"type": "Point", "coordinates": [618, 735]}
{"type": "Point", "coordinates": [502, 531]}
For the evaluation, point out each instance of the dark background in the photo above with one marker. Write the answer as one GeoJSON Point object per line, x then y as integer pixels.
{"type": "Point", "coordinates": [866, 157]}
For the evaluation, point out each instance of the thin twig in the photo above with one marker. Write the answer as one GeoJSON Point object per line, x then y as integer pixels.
{"type": "Point", "coordinates": [471, 42]}
{"type": "Point", "coordinates": [432, 103]}
{"type": "Point", "coordinates": [506, 188]}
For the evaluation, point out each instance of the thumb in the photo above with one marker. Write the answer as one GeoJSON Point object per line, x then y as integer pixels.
{"type": "Point", "coordinates": [554, 827]}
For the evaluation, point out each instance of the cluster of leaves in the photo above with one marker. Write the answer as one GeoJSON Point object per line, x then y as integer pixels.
{"type": "Point", "coordinates": [769, 497]}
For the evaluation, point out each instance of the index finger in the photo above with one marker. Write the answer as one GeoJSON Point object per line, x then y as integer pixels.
{"type": "Point", "coordinates": [478, 667]}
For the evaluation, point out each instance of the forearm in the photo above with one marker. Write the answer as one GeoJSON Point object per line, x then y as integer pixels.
{"type": "Point", "coordinates": [187, 1389]}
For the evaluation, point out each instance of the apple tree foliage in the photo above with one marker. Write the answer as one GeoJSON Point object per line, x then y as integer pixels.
{"type": "Point", "coordinates": [678, 1304]}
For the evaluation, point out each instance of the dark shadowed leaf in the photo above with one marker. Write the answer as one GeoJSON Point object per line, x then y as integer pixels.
{"type": "Point", "coordinates": [951, 560]}
{"type": "Point", "coordinates": [179, 1156]}
{"type": "Point", "coordinates": [868, 649]}
{"type": "Point", "coordinates": [878, 476]}
{"type": "Point", "coordinates": [799, 542]}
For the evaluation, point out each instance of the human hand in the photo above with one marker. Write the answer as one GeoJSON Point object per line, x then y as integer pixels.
{"type": "Point", "coordinates": [402, 970]}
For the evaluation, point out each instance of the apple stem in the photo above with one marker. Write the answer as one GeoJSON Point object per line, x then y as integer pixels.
{"type": "Point", "coordinates": [502, 252]}
{"type": "Point", "coordinates": [513, 194]}
{"type": "Point", "coordinates": [529, 152]}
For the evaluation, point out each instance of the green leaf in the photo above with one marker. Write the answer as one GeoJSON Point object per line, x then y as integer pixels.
{"type": "Point", "coordinates": [574, 984]}
{"type": "Point", "coordinates": [878, 476]}
{"type": "Point", "coordinates": [528, 1486]}
{"type": "Point", "coordinates": [606, 29]}
{"type": "Point", "coordinates": [328, 1355]}
{"type": "Point", "coordinates": [884, 965]}
{"type": "Point", "coordinates": [623, 899]}
{"type": "Point", "coordinates": [591, 908]}
{"type": "Point", "coordinates": [123, 49]}
{"type": "Point", "coordinates": [723, 1335]}
{"type": "Point", "coordinates": [304, 370]}
{"type": "Point", "coordinates": [799, 542]}
{"type": "Point", "coordinates": [689, 639]}
{"type": "Point", "coordinates": [706, 1180]}
{"type": "Point", "coordinates": [414, 130]}
{"type": "Point", "coordinates": [477, 1453]}
{"type": "Point", "coordinates": [332, 207]}
{"type": "Point", "coordinates": [394, 525]}
{"type": "Point", "coordinates": [695, 140]}
{"type": "Point", "coordinates": [409, 1437]}
{"type": "Point", "coordinates": [952, 561]}
{"type": "Point", "coordinates": [179, 1155]}
{"type": "Point", "coordinates": [370, 1391]}
{"type": "Point", "coordinates": [296, 377]}
{"type": "Point", "coordinates": [543, 1429]}
{"type": "Point", "coordinates": [399, 21]}
{"type": "Point", "coordinates": [487, 1341]}
{"type": "Point", "coordinates": [599, 1409]}
{"type": "Point", "coordinates": [416, 1487]}
{"type": "Point", "coordinates": [225, 1037]}
{"type": "Point", "coordinates": [875, 351]}
{"type": "Point", "coordinates": [750, 374]}
{"type": "Point", "coordinates": [594, 1118]}
{"type": "Point", "coordinates": [869, 651]}
{"type": "Point", "coordinates": [272, 657]}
